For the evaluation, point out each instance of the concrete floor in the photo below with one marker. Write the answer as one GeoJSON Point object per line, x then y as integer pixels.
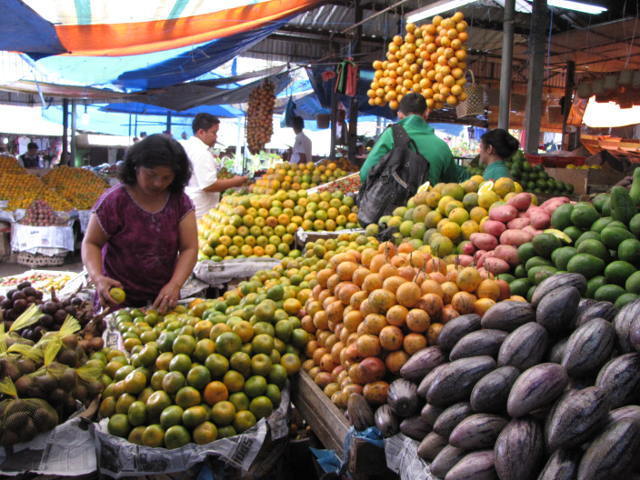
{"type": "Point", "coordinates": [72, 263]}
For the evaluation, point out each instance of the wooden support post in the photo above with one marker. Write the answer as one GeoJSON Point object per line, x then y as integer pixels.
{"type": "Point", "coordinates": [73, 133]}
{"type": "Point", "coordinates": [568, 100]}
{"type": "Point", "coordinates": [353, 110]}
{"type": "Point", "coordinates": [65, 126]}
{"type": "Point", "coordinates": [168, 123]}
{"type": "Point", "coordinates": [539, 23]}
{"type": "Point", "coordinates": [505, 66]}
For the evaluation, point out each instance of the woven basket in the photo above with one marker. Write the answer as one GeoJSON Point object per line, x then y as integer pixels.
{"type": "Point", "coordinates": [475, 102]}
{"type": "Point", "coordinates": [37, 260]}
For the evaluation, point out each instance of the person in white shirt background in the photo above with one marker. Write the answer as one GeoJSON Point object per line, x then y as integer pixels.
{"type": "Point", "coordinates": [204, 186]}
{"type": "Point", "coordinates": [302, 147]}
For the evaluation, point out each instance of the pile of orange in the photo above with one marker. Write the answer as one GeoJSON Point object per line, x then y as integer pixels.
{"type": "Point", "coordinates": [372, 309]}
{"type": "Point", "coordinates": [430, 60]}
{"type": "Point", "coordinates": [291, 176]}
{"type": "Point", "coordinates": [22, 189]}
{"type": "Point", "coordinates": [208, 372]}
{"type": "Point", "coordinates": [79, 186]}
{"type": "Point", "coordinates": [265, 225]}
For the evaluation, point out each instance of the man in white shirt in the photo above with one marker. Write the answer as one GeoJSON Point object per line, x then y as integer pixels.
{"type": "Point", "coordinates": [204, 186]}
{"type": "Point", "coordinates": [302, 147]}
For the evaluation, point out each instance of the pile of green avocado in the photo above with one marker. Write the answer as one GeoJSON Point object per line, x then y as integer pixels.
{"type": "Point", "coordinates": [601, 241]}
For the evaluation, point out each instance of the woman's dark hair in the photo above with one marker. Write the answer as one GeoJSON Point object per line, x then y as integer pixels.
{"type": "Point", "coordinates": [157, 151]}
{"type": "Point", "coordinates": [502, 141]}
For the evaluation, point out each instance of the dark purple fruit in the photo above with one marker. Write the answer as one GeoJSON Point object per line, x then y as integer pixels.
{"type": "Point", "coordinates": [59, 316]}
{"type": "Point", "coordinates": [6, 304]}
{"type": "Point", "coordinates": [49, 307]}
{"type": "Point", "coordinates": [46, 321]}
{"type": "Point", "coordinates": [30, 291]}
{"type": "Point", "coordinates": [39, 331]}
{"type": "Point", "coordinates": [24, 285]}
{"type": "Point", "coordinates": [17, 296]}
{"type": "Point", "coordinates": [71, 310]}
{"type": "Point", "coordinates": [20, 305]}
{"type": "Point", "coordinates": [10, 293]}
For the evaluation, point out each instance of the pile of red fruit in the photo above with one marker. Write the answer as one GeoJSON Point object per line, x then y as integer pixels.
{"type": "Point", "coordinates": [346, 185]}
{"type": "Point", "coordinates": [41, 214]}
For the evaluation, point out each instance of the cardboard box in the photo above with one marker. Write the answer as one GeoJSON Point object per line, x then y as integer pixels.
{"type": "Point", "coordinates": [583, 179]}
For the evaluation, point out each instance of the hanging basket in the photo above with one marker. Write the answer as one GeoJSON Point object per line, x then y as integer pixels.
{"type": "Point", "coordinates": [474, 104]}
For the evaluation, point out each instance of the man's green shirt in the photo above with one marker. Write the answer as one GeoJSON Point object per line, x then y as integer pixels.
{"type": "Point", "coordinates": [442, 167]}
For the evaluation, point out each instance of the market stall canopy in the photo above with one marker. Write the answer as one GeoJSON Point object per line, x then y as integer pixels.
{"type": "Point", "coordinates": [144, 109]}
{"type": "Point", "coordinates": [189, 95]}
{"type": "Point", "coordinates": [151, 45]}
{"type": "Point", "coordinates": [123, 27]}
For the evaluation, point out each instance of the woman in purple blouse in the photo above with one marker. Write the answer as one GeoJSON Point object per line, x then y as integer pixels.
{"type": "Point", "coordinates": [142, 234]}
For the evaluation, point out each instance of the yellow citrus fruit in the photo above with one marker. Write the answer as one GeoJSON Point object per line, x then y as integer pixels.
{"type": "Point", "coordinates": [170, 416]}
{"type": "Point", "coordinates": [451, 230]}
{"type": "Point", "coordinates": [234, 381]}
{"type": "Point", "coordinates": [176, 436]}
{"type": "Point", "coordinates": [469, 227]}
{"type": "Point", "coordinates": [261, 406]}
{"type": "Point", "coordinates": [477, 214]}
{"type": "Point", "coordinates": [503, 185]}
{"type": "Point", "coordinates": [118, 295]}
{"type": "Point", "coordinates": [458, 215]}
{"type": "Point", "coordinates": [223, 413]}
{"type": "Point", "coordinates": [194, 416]}
{"type": "Point", "coordinates": [153, 436]}
{"type": "Point", "coordinates": [244, 420]}
{"type": "Point", "coordinates": [119, 425]}
{"type": "Point", "coordinates": [487, 198]}
{"type": "Point", "coordinates": [187, 397]}
{"type": "Point", "coordinates": [204, 433]}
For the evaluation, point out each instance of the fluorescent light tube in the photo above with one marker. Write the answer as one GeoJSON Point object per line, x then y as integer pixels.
{"type": "Point", "coordinates": [435, 8]}
{"type": "Point", "coordinates": [521, 6]}
{"type": "Point", "coordinates": [577, 6]}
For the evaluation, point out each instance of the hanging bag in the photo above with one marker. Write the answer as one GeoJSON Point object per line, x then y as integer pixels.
{"type": "Point", "coordinates": [474, 104]}
{"type": "Point", "coordinates": [393, 180]}
{"type": "Point", "coordinates": [289, 114]}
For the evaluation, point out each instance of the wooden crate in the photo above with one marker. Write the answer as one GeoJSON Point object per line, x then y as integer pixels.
{"type": "Point", "coordinates": [331, 426]}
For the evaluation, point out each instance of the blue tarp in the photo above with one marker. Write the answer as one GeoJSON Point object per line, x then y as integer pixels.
{"type": "Point", "coordinates": [23, 30]}
{"type": "Point", "coordinates": [151, 70]}
{"type": "Point", "coordinates": [193, 63]}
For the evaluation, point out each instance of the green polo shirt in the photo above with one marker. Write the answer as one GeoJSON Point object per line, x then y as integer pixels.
{"type": "Point", "coordinates": [496, 170]}
{"type": "Point", "coordinates": [442, 167]}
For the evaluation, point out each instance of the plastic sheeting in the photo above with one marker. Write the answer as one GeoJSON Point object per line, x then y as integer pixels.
{"type": "Point", "coordinates": [151, 70]}
{"type": "Point", "coordinates": [122, 27]}
{"type": "Point", "coordinates": [186, 96]}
